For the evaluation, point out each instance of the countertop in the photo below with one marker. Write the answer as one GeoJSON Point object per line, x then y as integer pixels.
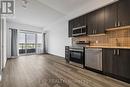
{"type": "Point", "coordinates": [116, 47]}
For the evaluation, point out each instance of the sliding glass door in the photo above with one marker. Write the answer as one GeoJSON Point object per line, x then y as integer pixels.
{"type": "Point", "coordinates": [30, 43]}
{"type": "Point", "coordinates": [39, 43]}
{"type": "Point", "coordinates": [22, 43]}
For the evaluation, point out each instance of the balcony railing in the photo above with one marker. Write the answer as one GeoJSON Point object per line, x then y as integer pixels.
{"type": "Point", "coordinates": [28, 47]}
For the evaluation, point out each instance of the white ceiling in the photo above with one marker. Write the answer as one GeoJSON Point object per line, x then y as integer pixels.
{"type": "Point", "coordinates": [35, 14]}
{"type": "Point", "coordinates": [65, 6]}
{"type": "Point", "coordinates": [44, 12]}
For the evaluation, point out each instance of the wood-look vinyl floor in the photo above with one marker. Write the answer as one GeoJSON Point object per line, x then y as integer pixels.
{"type": "Point", "coordinates": [52, 71]}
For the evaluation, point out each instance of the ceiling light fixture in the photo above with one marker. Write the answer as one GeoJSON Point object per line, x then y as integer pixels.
{"type": "Point", "coordinates": [25, 3]}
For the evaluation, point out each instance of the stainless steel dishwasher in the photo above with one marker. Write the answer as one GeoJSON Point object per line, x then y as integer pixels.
{"type": "Point", "coordinates": [93, 58]}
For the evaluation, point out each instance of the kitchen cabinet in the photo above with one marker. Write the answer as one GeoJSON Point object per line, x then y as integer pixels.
{"type": "Point", "coordinates": [82, 21]}
{"type": "Point", "coordinates": [79, 21]}
{"type": "Point", "coordinates": [111, 16]}
{"type": "Point", "coordinates": [117, 14]}
{"type": "Point", "coordinates": [70, 27]}
{"type": "Point", "coordinates": [123, 60]}
{"type": "Point", "coordinates": [91, 22]}
{"type": "Point", "coordinates": [96, 22]}
{"type": "Point", "coordinates": [100, 16]}
{"type": "Point", "coordinates": [107, 60]}
{"type": "Point", "coordinates": [78, 25]}
{"type": "Point", "coordinates": [123, 12]}
{"type": "Point", "coordinates": [117, 62]}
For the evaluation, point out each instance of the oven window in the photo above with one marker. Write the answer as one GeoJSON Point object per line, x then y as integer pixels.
{"type": "Point", "coordinates": [76, 55]}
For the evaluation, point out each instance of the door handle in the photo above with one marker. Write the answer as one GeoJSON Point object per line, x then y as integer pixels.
{"type": "Point", "coordinates": [118, 52]}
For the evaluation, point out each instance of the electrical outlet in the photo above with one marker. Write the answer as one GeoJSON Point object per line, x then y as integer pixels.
{"type": "Point", "coordinates": [96, 41]}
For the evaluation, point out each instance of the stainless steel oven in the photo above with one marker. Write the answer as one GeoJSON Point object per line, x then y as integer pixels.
{"type": "Point", "coordinates": [77, 55]}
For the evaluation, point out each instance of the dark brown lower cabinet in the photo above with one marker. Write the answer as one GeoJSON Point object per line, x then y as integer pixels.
{"type": "Point", "coordinates": [116, 62]}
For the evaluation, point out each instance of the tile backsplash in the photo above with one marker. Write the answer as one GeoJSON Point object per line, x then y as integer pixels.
{"type": "Point", "coordinates": [115, 38]}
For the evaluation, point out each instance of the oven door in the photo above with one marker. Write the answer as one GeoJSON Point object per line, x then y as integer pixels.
{"type": "Point", "coordinates": [76, 56]}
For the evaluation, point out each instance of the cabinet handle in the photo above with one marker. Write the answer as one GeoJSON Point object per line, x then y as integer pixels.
{"type": "Point", "coordinates": [95, 31]}
{"type": "Point", "coordinates": [114, 52]}
{"type": "Point", "coordinates": [118, 52]}
{"type": "Point", "coordinates": [115, 24]}
{"type": "Point", "coordinates": [119, 24]}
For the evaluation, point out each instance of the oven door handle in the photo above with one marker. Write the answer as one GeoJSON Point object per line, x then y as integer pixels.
{"type": "Point", "coordinates": [76, 51]}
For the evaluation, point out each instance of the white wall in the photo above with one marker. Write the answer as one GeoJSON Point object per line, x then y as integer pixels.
{"type": "Point", "coordinates": [0, 49]}
{"type": "Point", "coordinates": [18, 26]}
{"type": "Point", "coordinates": [57, 38]}
{"type": "Point", "coordinates": [3, 57]}
{"type": "Point", "coordinates": [4, 42]}
{"type": "Point", "coordinates": [57, 33]}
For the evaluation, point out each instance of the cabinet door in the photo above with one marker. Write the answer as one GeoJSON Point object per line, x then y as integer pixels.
{"type": "Point", "coordinates": [81, 21]}
{"type": "Point", "coordinates": [123, 60]}
{"type": "Point", "coordinates": [91, 22]}
{"type": "Point", "coordinates": [107, 60]}
{"type": "Point", "coordinates": [111, 16]}
{"type": "Point", "coordinates": [70, 27]}
{"type": "Point", "coordinates": [76, 22]}
{"type": "Point", "coordinates": [100, 21]}
{"type": "Point", "coordinates": [84, 21]}
{"type": "Point", "coordinates": [124, 12]}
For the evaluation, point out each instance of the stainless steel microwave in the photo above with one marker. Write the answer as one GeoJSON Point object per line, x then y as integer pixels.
{"type": "Point", "coordinates": [79, 31]}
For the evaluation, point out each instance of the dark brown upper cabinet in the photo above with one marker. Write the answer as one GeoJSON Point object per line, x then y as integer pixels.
{"type": "Point", "coordinates": [123, 12]}
{"type": "Point", "coordinates": [77, 23]}
{"type": "Point", "coordinates": [96, 22]}
{"type": "Point", "coordinates": [70, 27]}
{"type": "Point", "coordinates": [91, 22]}
{"type": "Point", "coordinates": [111, 17]}
{"type": "Point", "coordinates": [117, 14]}
{"type": "Point", "coordinates": [100, 16]}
